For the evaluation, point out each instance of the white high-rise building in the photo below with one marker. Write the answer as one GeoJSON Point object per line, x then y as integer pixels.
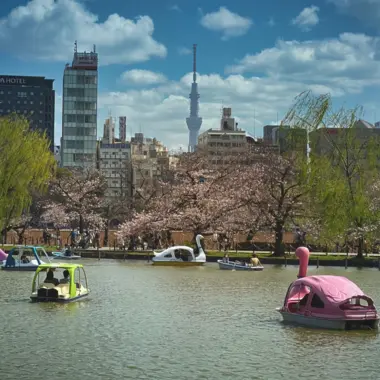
{"type": "Point", "coordinates": [79, 110]}
{"type": "Point", "coordinates": [109, 131]}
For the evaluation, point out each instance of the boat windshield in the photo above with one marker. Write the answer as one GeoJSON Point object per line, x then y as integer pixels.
{"type": "Point", "coordinates": [41, 253]}
{"type": "Point", "coordinates": [24, 255]}
{"type": "Point", "coordinates": [56, 276]}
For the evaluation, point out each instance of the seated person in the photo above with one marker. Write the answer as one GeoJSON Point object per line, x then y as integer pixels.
{"type": "Point", "coordinates": [254, 262]}
{"type": "Point", "coordinates": [24, 259]}
{"type": "Point", "coordinates": [68, 251]}
{"type": "Point", "coordinates": [226, 259]}
{"type": "Point", "coordinates": [50, 279]}
{"type": "Point", "coordinates": [66, 277]}
{"type": "Point", "coordinates": [177, 254]}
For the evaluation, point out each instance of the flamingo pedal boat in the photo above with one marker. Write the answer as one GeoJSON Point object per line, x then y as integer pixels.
{"type": "Point", "coordinates": [329, 302]}
{"type": "Point", "coordinates": [181, 255]}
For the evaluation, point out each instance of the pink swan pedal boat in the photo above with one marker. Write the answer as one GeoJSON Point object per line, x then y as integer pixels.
{"type": "Point", "coordinates": [329, 302]}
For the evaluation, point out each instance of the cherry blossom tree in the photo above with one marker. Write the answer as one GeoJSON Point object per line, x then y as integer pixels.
{"type": "Point", "coordinates": [198, 199]}
{"type": "Point", "coordinates": [76, 199]}
{"type": "Point", "coordinates": [281, 193]}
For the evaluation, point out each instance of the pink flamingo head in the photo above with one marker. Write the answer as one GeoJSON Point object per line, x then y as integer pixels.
{"type": "Point", "coordinates": [303, 255]}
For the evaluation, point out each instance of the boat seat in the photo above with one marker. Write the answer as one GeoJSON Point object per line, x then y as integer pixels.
{"type": "Point", "coordinates": [47, 285]}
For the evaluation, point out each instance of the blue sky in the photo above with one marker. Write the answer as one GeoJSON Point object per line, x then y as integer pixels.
{"type": "Point", "coordinates": [253, 56]}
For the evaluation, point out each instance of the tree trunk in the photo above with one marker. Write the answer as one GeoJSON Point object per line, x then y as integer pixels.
{"type": "Point", "coordinates": [105, 240]}
{"type": "Point", "coordinates": [279, 248]}
{"type": "Point", "coordinates": [4, 235]}
{"type": "Point", "coordinates": [81, 222]}
{"type": "Point", "coordinates": [360, 248]}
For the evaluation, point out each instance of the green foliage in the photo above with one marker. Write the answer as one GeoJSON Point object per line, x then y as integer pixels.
{"type": "Point", "coordinates": [343, 166]}
{"type": "Point", "coordinates": [26, 164]}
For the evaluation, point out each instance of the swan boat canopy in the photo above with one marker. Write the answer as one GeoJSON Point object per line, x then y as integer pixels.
{"type": "Point", "coordinates": [181, 255]}
{"type": "Point", "coordinates": [59, 282]}
{"type": "Point", "coordinates": [330, 302]}
{"type": "Point", "coordinates": [25, 258]}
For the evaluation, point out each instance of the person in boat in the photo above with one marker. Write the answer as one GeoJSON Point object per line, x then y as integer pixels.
{"type": "Point", "coordinates": [67, 251]}
{"type": "Point", "coordinates": [226, 259]}
{"type": "Point", "coordinates": [24, 259]}
{"type": "Point", "coordinates": [177, 254]}
{"type": "Point", "coordinates": [50, 279]}
{"type": "Point", "coordinates": [254, 262]}
{"type": "Point", "coordinates": [66, 277]}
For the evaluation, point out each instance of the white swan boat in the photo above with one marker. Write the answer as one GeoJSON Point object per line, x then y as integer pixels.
{"type": "Point", "coordinates": [237, 265]}
{"type": "Point", "coordinates": [181, 255]}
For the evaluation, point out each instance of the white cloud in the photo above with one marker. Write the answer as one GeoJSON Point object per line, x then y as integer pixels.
{"type": "Point", "coordinates": [307, 18]}
{"type": "Point", "coordinates": [47, 29]}
{"type": "Point", "coordinates": [347, 63]}
{"type": "Point", "coordinates": [367, 11]}
{"type": "Point", "coordinates": [229, 23]}
{"type": "Point", "coordinates": [271, 22]}
{"type": "Point", "coordinates": [184, 51]}
{"type": "Point", "coordinates": [161, 111]}
{"type": "Point", "coordinates": [142, 77]}
{"type": "Point", "coordinates": [176, 8]}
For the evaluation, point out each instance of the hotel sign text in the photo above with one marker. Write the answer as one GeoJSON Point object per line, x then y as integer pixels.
{"type": "Point", "coordinates": [12, 80]}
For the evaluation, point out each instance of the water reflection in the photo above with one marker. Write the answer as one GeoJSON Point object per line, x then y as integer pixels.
{"type": "Point", "coordinates": [55, 307]}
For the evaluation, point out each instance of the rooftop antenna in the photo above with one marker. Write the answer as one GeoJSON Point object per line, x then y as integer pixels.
{"type": "Point", "coordinates": [75, 46]}
{"type": "Point", "coordinates": [254, 123]}
{"type": "Point", "coordinates": [277, 118]}
{"type": "Point", "coordinates": [94, 48]}
{"type": "Point", "coordinates": [194, 63]}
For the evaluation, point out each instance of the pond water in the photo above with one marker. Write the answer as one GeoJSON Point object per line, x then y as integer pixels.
{"type": "Point", "coordinates": [145, 322]}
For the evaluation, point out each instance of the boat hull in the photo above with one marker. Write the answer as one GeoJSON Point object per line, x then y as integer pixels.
{"type": "Point", "coordinates": [178, 263]}
{"type": "Point", "coordinates": [233, 266]}
{"type": "Point", "coordinates": [62, 257]}
{"type": "Point", "coordinates": [326, 323]}
{"type": "Point", "coordinates": [29, 268]}
{"type": "Point", "coordinates": [58, 300]}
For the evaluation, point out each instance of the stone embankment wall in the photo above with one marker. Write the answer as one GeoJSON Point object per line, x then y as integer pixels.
{"type": "Point", "coordinates": [34, 237]}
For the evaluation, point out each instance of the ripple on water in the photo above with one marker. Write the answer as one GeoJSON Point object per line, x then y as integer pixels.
{"type": "Point", "coordinates": [142, 322]}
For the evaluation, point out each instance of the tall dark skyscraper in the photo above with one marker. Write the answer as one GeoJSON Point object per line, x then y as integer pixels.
{"type": "Point", "coordinates": [32, 97]}
{"type": "Point", "coordinates": [79, 110]}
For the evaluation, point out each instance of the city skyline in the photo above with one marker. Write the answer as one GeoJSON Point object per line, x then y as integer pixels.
{"type": "Point", "coordinates": [252, 58]}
